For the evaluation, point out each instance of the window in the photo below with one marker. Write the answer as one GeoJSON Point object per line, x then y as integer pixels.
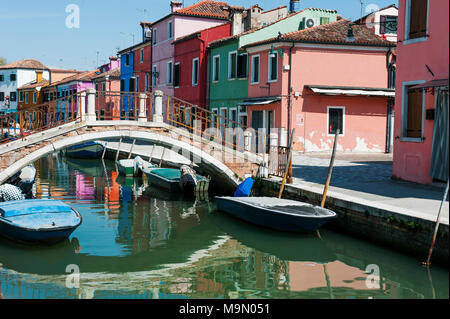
{"type": "Point", "coordinates": [273, 67]}
{"type": "Point", "coordinates": [416, 19]}
{"type": "Point", "coordinates": [336, 120]}
{"type": "Point", "coordinates": [142, 55]}
{"type": "Point", "coordinates": [242, 65]}
{"type": "Point", "coordinates": [127, 59]}
{"type": "Point", "coordinates": [255, 69]}
{"type": "Point", "coordinates": [413, 117]}
{"type": "Point", "coordinates": [169, 72]}
{"type": "Point", "coordinates": [20, 96]}
{"type": "Point", "coordinates": [2, 96]}
{"type": "Point", "coordinates": [154, 76]}
{"type": "Point", "coordinates": [324, 20]}
{"type": "Point", "coordinates": [195, 71]}
{"type": "Point", "coordinates": [131, 84]}
{"type": "Point", "coordinates": [216, 68]}
{"type": "Point", "coordinates": [103, 86]}
{"type": "Point", "coordinates": [12, 77]}
{"type": "Point", "coordinates": [34, 98]}
{"type": "Point", "coordinates": [147, 82]}
{"type": "Point", "coordinates": [170, 30]}
{"type": "Point", "coordinates": [122, 85]}
{"type": "Point", "coordinates": [154, 36]}
{"type": "Point", "coordinates": [13, 96]}
{"type": "Point", "coordinates": [176, 75]}
{"type": "Point", "coordinates": [388, 25]}
{"type": "Point", "coordinates": [137, 84]}
{"type": "Point", "coordinates": [2, 78]}
{"type": "Point", "coordinates": [232, 65]}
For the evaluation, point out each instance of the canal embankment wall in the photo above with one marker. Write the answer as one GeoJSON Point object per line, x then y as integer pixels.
{"type": "Point", "coordinates": [400, 229]}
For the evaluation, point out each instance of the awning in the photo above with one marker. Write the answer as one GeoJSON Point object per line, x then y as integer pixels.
{"type": "Point", "coordinates": [433, 83]}
{"type": "Point", "coordinates": [261, 101]}
{"type": "Point", "coordinates": [352, 91]}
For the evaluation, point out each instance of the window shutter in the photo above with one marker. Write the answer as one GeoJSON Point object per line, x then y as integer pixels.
{"type": "Point", "coordinates": [414, 113]}
{"type": "Point", "coordinates": [383, 24]}
{"type": "Point", "coordinates": [418, 19]}
{"type": "Point", "coordinates": [176, 75]}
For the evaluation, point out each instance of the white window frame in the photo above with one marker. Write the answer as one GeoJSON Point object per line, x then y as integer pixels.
{"type": "Point", "coordinates": [154, 36]}
{"type": "Point", "coordinates": [215, 110]}
{"type": "Point", "coordinates": [136, 84]}
{"type": "Point", "coordinates": [230, 64]}
{"type": "Point", "coordinates": [404, 112]}
{"type": "Point", "coordinates": [198, 71]}
{"type": "Point", "coordinates": [253, 68]}
{"type": "Point", "coordinates": [230, 111]}
{"type": "Point", "coordinates": [269, 69]}
{"type": "Point", "coordinates": [406, 38]}
{"type": "Point", "coordinates": [341, 134]}
{"type": "Point", "coordinates": [170, 35]}
{"type": "Point", "coordinates": [179, 80]}
{"type": "Point", "coordinates": [141, 60]}
{"type": "Point", "coordinates": [216, 73]}
{"type": "Point", "coordinates": [169, 72]}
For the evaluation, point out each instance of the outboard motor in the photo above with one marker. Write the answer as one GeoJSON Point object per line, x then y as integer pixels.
{"type": "Point", "coordinates": [25, 181]}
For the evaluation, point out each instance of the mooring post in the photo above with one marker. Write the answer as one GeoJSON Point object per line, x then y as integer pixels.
{"type": "Point", "coordinates": [104, 150]}
{"type": "Point", "coordinates": [131, 149]}
{"type": "Point", "coordinates": [118, 149]}
{"type": "Point", "coordinates": [330, 170]}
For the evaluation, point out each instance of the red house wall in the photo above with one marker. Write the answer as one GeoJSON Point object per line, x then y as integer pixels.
{"type": "Point", "coordinates": [140, 69]}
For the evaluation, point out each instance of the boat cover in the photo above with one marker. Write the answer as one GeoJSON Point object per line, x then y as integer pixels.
{"type": "Point", "coordinates": [32, 206]}
{"type": "Point", "coordinates": [244, 188]}
{"type": "Point", "coordinates": [167, 173]}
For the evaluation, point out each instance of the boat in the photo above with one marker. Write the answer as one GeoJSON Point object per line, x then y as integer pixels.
{"type": "Point", "coordinates": [24, 180]}
{"type": "Point", "coordinates": [170, 179]}
{"type": "Point", "coordinates": [38, 220]}
{"type": "Point", "coordinates": [87, 150]}
{"type": "Point", "coordinates": [279, 214]}
{"type": "Point", "coordinates": [134, 167]}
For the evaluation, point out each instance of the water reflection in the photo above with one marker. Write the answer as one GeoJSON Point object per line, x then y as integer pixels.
{"type": "Point", "coordinates": [141, 242]}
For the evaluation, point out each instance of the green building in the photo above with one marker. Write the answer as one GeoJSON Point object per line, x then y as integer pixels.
{"type": "Point", "coordinates": [228, 64]}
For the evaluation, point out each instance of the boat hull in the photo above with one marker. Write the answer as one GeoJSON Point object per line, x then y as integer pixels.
{"type": "Point", "coordinates": [270, 219]}
{"type": "Point", "coordinates": [29, 236]}
{"type": "Point", "coordinates": [86, 150]}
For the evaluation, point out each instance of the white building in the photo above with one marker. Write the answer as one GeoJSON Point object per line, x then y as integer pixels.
{"type": "Point", "coordinates": [383, 22]}
{"type": "Point", "coordinates": [15, 75]}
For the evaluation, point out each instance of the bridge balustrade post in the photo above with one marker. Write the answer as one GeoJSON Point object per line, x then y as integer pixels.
{"type": "Point", "coordinates": [90, 116]}
{"type": "Point", "coordinates": [247, 140]}
{"type": "Point", "coordinates": [273, 139]}
{"type": "Point", "coordinates": [82, 106]}
{"type": "Point", "coordinates": [158, 116]}
{"type": "Point", "coordinates": [142, 117]}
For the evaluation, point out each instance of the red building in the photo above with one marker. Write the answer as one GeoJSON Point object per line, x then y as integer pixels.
{"type": "Point", "coordinates": [191, 63]}
{"type": "Point", "coordinates": [143, 66]}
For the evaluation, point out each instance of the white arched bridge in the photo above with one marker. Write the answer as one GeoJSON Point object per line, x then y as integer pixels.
{"type": "Point", "coordinates": [220, 147]}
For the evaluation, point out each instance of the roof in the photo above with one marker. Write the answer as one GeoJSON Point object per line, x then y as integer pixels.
{"type": "Point", "coordinates": [85, 76]}
{"type": "Point", "coordinates": [331, 33]}
{"type": "Point", "coordinates": [367, 15]}
{"type": "Point", "coordinates": [196, 34]}
{"type": "Point", "coordinates": [25, 64]}
{"type": "Point", "coordinates": [114, 73]}
{"type": "Point", "coordinates": [34, 84]}
{"type": "Point", "coordinates": [134, 47]}
{"type": "Point", "coordinates": [350, 90]}
{"type": "Point", "coordinates": [205, 9]}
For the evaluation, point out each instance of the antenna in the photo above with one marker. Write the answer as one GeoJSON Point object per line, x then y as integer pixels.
{"type": "Point", "coordinates": [362, 5]}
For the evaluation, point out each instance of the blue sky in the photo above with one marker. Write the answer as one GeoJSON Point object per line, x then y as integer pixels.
{"type": "Point", "coordinates": [37, 29]}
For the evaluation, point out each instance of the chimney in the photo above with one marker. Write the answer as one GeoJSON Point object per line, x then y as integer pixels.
{"type": "Point", "coordinates": [175, 5]}
{"type": "Point", "coordinates": [235, 15]}
{"type": "Point", "coordinates": [39, 76]}
{"type": "Point", "coordinates": [294, 6]}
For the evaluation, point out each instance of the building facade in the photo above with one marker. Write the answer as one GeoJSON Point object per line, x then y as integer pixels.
{"type": "Point", "coordinates": [421, 123]}
{"type": "Point", "coordinates": [382, 22]}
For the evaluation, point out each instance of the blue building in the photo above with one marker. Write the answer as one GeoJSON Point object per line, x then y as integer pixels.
{"type": "Point", "coordinates": [127, 81]}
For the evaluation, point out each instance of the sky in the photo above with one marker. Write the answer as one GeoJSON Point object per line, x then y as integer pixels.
{"type": "Point", "coordinates": [38, 29]}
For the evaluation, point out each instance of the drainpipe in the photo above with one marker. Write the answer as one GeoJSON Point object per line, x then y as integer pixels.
{"type": "Point", "coordinates": [389, 105]}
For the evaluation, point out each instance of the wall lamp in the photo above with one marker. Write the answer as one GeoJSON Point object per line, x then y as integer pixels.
{"type": "Point", "coordinates": [272, 52]}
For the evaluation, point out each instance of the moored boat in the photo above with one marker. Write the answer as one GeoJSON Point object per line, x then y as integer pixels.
{"type": "Point", "coordinates": [134, 167]}
{"type": "Point", "coordinates": [170, 180]}
{"type": "Point", "coordinates": [38, 221]}
{"type": "Point", "coordinates": [279, 214]}
{"type": "Point", "coordinates": [85, 150]}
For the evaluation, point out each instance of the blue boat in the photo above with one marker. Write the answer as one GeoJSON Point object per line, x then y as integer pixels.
{"type": "Point", "coordinates": [279, 214]}
{"type": "Point", "coordinates": [85, 150]}
{"type": "Point", "coordinates": [38, 220]}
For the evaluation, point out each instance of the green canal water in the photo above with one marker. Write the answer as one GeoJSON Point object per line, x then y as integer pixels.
{"type": "Point", "coordinates": [137, 242]}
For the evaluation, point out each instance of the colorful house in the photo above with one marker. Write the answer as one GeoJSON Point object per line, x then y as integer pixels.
{"type": "Point", "coordinates": [382, 22]}
{"type": "Point", "coordinates": [31, 94]}
{"type": "Point", "coordinates": [179, 23]}
{"type": "Point", "coordinates": [107, 85]}
{"type": "Point", "coordinates": [229, 63]}
{"type": "Point", "coordinates": [190, 63]}
{"type": "Point", "coordinates": [14, 76]}
{"type": "Point", "coordinates": [421, 123]}
{"type": "Point", "coordinates": [143, 66]}
{"type": "Point", "coordinates": [315, 81]}
{"type": "Point", "coordinates": [127, 80]}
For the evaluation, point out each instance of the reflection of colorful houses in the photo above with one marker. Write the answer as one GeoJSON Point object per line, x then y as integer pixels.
{"type": "Point", "coordinates": [85, 189]}
{"type": "Point", "coordinates": [422, 113]}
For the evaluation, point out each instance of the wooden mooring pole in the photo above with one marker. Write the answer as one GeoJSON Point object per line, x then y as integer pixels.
{"type": "Point", "coordinates": [286, 171]}
{"type": "Point", "coordinates": [427, 263]}
{"type": "Point", "coordinates": [118, 149]}
{"type": "Point", "coordinates": [330, 169]}
{"type": "Point", "coordinates": [131, 149]}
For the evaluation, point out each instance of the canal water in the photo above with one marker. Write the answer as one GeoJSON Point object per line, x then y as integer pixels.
{"type": "Point", "coordinates": [137, 242]}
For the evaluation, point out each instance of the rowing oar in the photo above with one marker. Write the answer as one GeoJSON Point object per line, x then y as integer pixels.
{"type": "Point", "coordinates": [427, 263]}
{"type": "Point", "coordinates": [287, 164]}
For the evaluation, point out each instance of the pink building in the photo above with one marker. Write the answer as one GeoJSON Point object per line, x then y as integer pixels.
{"type": "Point", "coordinates": [421, 122]}
{"type": "Point", "coordinates": [180, 22]}
{"type": "Point", "coordinates": [315, 81]}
